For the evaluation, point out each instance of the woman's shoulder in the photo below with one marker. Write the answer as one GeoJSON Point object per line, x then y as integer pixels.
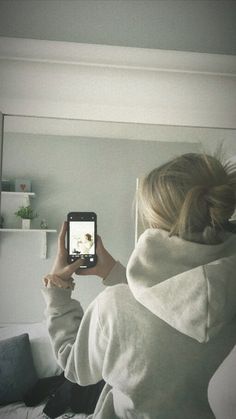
{"type": "Point", "coordinates": [114, 293]}
{"type": "Point", "coordinates": [114, 300]}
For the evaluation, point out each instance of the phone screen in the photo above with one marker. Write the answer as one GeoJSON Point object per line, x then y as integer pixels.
{"type": "Point", "coordinates": [82, 237]}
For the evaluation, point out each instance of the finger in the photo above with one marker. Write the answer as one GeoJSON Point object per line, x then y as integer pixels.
{"type": "Point", "coordinates": [61, 237]}
{"type": "Point", "coordinates": [99, 247]}
{"type": "Point", "coordinates": [99, 242]}
{"type": "Point", "coordinates": [73, 267]}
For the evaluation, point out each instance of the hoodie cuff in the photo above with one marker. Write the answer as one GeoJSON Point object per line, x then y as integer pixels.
{"type": "Point", "coordinates": [56, 297]}
{"type": "Point", "coordinates": [116, 276]}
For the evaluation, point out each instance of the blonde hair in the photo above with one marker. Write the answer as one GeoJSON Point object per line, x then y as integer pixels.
{"type": "Point", "coordinates": [192, 196]}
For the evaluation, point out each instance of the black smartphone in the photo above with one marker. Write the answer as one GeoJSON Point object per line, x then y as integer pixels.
{"type": "Point", "coordinates": [81, 237]}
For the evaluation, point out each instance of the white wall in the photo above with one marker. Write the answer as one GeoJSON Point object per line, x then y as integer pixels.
{"type": "Point", "coordinates": [71, 174]}
{"type": "Point", "coordinates": [93, 82]}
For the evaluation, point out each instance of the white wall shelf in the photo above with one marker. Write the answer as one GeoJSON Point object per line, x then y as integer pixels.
{"type": "Point", "coordinates": [42, 232]}
{"type": "Point", "coordinates": [22, 230]}
{"type": "Point", "coordinates": [19, 194]}
{"type": "Point", "coordinates": [25, 199]}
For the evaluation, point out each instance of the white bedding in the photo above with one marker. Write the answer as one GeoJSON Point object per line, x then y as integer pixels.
{"type": "Point", "coordinates": [20, 411]}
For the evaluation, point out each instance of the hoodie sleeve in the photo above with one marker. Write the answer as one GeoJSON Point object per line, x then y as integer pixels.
{"type": "Point", "coordinates": [78, 340]}
{"type": "Point", "coordinates": [116, 276]}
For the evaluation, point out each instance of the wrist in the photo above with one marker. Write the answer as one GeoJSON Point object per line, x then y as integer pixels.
{"type": "Point", "coordinates": [54, 281]}
{"type": "Point", "coordinates": [110, 263]}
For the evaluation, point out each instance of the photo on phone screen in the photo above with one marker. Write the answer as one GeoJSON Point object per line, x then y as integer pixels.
{"type": "Point", "coordinates": [82, 237]}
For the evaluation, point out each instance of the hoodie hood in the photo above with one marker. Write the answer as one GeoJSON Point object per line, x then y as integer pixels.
{"type": "Point", "coordinates": [190, 286]}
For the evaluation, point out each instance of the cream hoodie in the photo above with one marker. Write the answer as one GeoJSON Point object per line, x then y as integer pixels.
{"type": "Point", "coordinates": [157, 340]}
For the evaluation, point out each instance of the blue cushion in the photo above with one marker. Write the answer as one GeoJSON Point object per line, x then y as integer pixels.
{"type": "Point", "coordinates": [17, 371]}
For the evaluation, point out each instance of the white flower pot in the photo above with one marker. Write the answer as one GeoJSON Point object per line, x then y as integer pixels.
{"type": "Point", "coordinates": [25, 224]}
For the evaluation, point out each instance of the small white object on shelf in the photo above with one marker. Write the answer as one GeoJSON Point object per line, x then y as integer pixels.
{"type": "Point", "coordinates": [23, 185]}
{"type": "Point", "coordinates": [43, 224]}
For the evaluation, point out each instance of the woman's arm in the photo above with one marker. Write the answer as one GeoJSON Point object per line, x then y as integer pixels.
{"type": "Point", "coordinates": [78, 341]}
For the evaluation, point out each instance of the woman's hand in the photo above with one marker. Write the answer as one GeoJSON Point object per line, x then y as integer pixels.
{"type": "Point", "coordinates": [61, 272]}
{"type": "Point", "coordinates": [60, 261]}
{"type": "Point", "coordinates": [104, 265]}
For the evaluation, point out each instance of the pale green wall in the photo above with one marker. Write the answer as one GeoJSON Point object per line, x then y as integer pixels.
{"type": "Point", "coordinates": [71, 174]}
{"type": "Point", "coordinates": [187, 25]}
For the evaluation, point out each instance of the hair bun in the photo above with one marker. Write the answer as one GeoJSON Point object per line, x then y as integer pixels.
{"type": "Point", "coordinates": [221, 203]}
{"type": "Point", "coordinates": [211, 235]}
{"type": "Point", "coordinates": [191, 196]}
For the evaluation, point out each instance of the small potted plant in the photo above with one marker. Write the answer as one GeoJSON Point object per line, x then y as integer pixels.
{"type": "Point", "coordinates": [26, 214]}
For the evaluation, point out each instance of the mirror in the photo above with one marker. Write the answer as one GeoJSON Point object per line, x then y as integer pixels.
{"type": "Point", "coordinates": [78, 165]}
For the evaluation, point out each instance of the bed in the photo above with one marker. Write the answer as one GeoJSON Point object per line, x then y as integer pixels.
{"type": "Point", "coordinates": [25, 348]}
